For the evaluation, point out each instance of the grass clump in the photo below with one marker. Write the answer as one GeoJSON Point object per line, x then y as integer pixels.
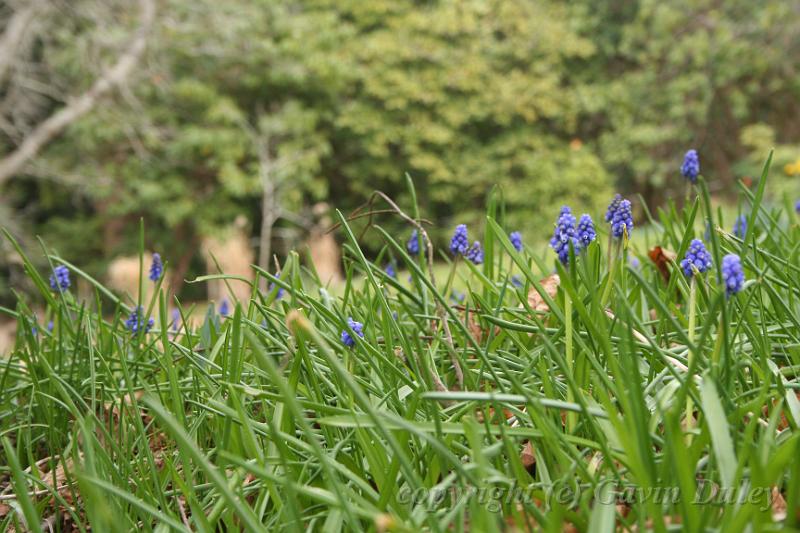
{"type": "Point", "coordinates": [611, 393]}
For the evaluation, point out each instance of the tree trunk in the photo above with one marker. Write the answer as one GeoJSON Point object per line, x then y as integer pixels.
{"type": "Point", "coordinates": [269, 206]}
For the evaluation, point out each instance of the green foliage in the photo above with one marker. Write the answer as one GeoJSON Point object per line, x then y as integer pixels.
{"type": "Point", "coordinates": [555, 103]}
{"type": "Point", "coordinates": [265, 419]}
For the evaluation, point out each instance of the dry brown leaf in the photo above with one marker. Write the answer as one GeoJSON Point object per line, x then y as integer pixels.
{"type": "Point", "coordinates": [662, 258]}
{"type": "Point", "coordinates": [479, 414]}
{"type": "Point", "coordinates": [550, 286]}
{"type": "Point", "coordinates": [528, 457]}
{"type": "Point", "coordinates": [778, 505]}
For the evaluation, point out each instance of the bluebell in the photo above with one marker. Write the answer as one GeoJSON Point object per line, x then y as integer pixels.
{"type": "Point", "coordinates": [740, 226]}
{"type": "Point", "coordinates": [459, 243]}
{"type": "Point", "coordinates": [732, 274]}
{"type": "Point", "coordinates": [620, 216]}
{"type": "Point", "coordinates": [59, 279]}
{"type": "Point", "coordinates": [156, 267]}
{"type": "Point", "coordinates": [413, 243]}
{"type": "Point", "coordinates": [358, 329]}
{"type": "Point", "coordinates": [586, 231]}
{"type": "Point", "coordinates": [475, 253]}
{"type": "Point", "coordinates": [697, 259]}
{"type": "Point", "coordinates": [563, 234]}
{"type": "Point", "coordinates": [691, 166]}
{"type": "Point", "coordinates": [136, 319]}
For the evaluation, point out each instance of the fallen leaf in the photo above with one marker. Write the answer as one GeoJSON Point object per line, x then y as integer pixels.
{"type": "Point", "coordinates": [778, 505]}
{"type": "Point", "coordinates": [662, 258]}
{"type": "Point", "coordinates": [550, 286]}
{"type": "Point", "coordinates": [528, 457]}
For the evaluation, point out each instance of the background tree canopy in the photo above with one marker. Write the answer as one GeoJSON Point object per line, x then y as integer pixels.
{"type": "Point", "coordinates": [264, 108]}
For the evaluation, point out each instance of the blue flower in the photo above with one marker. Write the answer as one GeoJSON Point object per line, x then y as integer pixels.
{"type": "Point", "coordinates": [50, 326]}
{"type": "Point", "coordinates": [358, 329]}
{"type": "Point", "coordinates": [612, 207]}
{"type": "Point", "coordinates": [457, 297]}
{"type": "Point", "coordinates": [459, 244]}
{"type": "Point", "coordinates": [740, 226]}
{"type": "Point", "coordinates": [516, 240]}
{"type": "Point", "coordinates": [279, 295]}
{"type": "Point", "coordinates": [390, 271]}
{"type": "Point", "coordinates": [691, 166]}
{"type": "Point", "coordinates": [475, 253]}
{"type": "Point", "coordinates": [564, 234]}
{"type": "Point", "coordinates": [413, 243]}
{"type": "Point", "coordinates": [797, 206]}
{"type": "Point", "coordinates": [516, 281]}
{"type": "Point", "coordinates": [224, 307]}
{"type": "Point", "coordinates": [586, 232]}
{"type": "Point", "coordinates": [732, 274]}
{"type": "Point", "coordinates": [135, 320]}
{"type": "Point", "coordinates": [59, 279]}
{"type": "Point", "coordinates": [156, 267]}
{"type": "Point", "coordinates": [635, 263]}
{"type": "Point", "coordinates": [620, 216]}
{"type": "Point", "coordinates": [697, 258]}
{"type": "Point", "coordinates": [176, 318]}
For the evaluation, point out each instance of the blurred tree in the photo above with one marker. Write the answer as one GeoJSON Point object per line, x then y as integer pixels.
{"type": "Point", "coordinates": [463, 95]}
{"type": "Point", "coordinates": [669, 76]}
{"type": "Point", "coordinates": [262, 108]}
{"type": "Point", "coordinates": [58, 60]}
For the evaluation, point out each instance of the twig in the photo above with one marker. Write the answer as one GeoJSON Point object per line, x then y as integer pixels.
{"type": "Point", "coordinates": [429, 257]}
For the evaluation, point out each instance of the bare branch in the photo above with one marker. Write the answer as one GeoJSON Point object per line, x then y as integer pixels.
{"type": "Point", "coordinates": [75, 109]}
{"type": "Point", "coordinates": [14, 34]}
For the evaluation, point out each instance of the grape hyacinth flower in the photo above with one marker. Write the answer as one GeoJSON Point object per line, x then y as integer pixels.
{"type": "Point", "coordinates": [224, 307]}
{"type": "Point", "coordinates": [475, 253]}
{"type": "Point", "coordinates": [635, 263]}
{"type": "Point", "coordinates": [620, 216]}
{"type": "Point", "coordinates": [797, 206]}
{"type": "Point", "coordinates": [413, 243]}
{"type": "Point", "coordinates": [390, 271]}
{"type": "Point", "coordinates": [586, 232]}
{"type": "Point", "coordinates": [691, 166]}
{"type": "Point", "coordinates": [516, 281]}
{"type": "Point", "coordinates": [516, 240]}
{"type": "Point", "coordinates": [564, 234]}
{"type": "Point", "coordinates": [136, 319]}
{"type": "Point", "coordinates": [176, 318]}
{"type": "Point", "coordinates": [612, 207]}
{"type": "Point", "coordinates": [279, 295]}
{"type": "Point", "coordinates": [156, 267]}
{"type": "Point", "coordinates": [459, 244]}
{"type": "Point", "coordinates": [697, 259]}
{"type": "Point", "coordinates": [732, 274]}
{"type": "Point", "coordinates": [358, 329]}
{"type": "Point", "coordinates": [457, 297]}
{"type": "Point", "coordinates": [740, 226]}
{"type": "Point", "coordinates": [59, 279]}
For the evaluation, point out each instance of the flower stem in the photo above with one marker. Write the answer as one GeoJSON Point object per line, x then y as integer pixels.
{"type": "Point", "coordinates": [450, 277]}
{"type": "Point", "coordinates": [612, 271]}
{"type": "Point", "coordinates": [572, 417]}
{"type": "Point", "coordinates": [692, 325]}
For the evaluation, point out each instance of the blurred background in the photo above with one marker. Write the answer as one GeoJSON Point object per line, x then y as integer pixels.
{"type": "Point", "coordinates": [234, 127]}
